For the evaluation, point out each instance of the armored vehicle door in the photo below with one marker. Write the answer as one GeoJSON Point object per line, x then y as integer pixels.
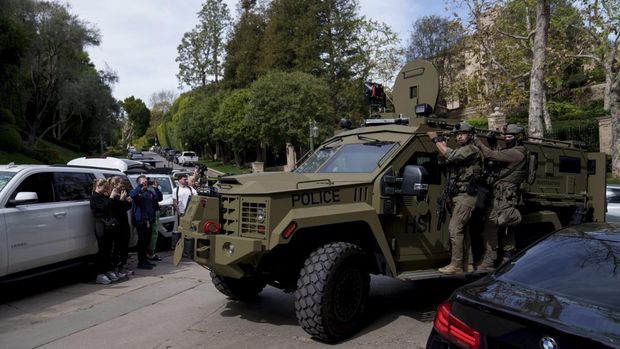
{"type": "Point", "coordinates": [410, 221]}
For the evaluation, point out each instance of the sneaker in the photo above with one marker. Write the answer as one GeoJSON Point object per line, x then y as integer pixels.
{"type": "Point", "coordinates": [128, 271]}
{"type": "Point", "coordinates": [112, 276]}
{"type": "Point", "coordinates": [102, 279]}
{"type": "Point", "coordinates": [154, 258]}
{"type": "Point", "coordinates": [120, 274]}
{"type": "Point", "coordinates": [145, 266]}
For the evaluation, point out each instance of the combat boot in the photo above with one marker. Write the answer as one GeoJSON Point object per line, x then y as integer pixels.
{"type": "Point", "coordinates": [486, 266]}
{"type": "Point", "coordinates": [488, 262]}
{"type": "Point", "coordinates": [452, 268]}
{"type": "Point", "coordinates": [508, 255]}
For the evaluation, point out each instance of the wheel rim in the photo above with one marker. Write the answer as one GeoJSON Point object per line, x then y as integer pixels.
{"type": "Point", "coordinates": [348, 295]}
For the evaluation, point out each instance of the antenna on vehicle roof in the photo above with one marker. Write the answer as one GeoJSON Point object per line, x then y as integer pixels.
{"type": "Point", "coordinates": [11, 164]}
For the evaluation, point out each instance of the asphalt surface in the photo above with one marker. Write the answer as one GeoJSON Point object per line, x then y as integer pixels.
{"type": "Point", "coordinates": [178, 307]}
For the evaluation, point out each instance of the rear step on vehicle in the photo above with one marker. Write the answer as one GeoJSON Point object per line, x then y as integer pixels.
{"type": "Point", "coordinates": [434, 274]}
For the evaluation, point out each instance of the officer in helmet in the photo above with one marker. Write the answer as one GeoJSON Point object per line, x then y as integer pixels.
{"type": "Point", "coordinates": [509, 170]}
{"type": "Point", "coordinates": [465, 164]}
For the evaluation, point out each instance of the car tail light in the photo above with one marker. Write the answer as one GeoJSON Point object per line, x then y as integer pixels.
{"type": "Point", "coordinates": [455, 330]}
{"type": "Point", "coordinates": [211, 227]}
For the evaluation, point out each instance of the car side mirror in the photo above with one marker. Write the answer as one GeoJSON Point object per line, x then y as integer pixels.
{"type": "Point", "coordinates": [25, 197]}
{"type": "Point", "coordinates": [412, 183]}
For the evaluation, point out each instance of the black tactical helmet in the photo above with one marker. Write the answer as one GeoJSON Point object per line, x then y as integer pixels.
{"type": "Point", "coordinates": [463, 127]}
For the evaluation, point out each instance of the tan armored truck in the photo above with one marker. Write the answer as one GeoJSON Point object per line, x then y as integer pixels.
{"type": "Point", "coordinates": [365, 202]}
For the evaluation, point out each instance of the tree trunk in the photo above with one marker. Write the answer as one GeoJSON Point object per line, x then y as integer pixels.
{"type": "Point", "coordinates": [546, 116]}
{"type": "Point", "coordinates": [609, 73]}
{"type": "Point", "coordinates": [615, 129]}
{"type": "Point", "coordinates": [537, 75]}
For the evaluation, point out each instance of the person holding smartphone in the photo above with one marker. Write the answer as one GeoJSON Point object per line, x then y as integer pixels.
{"type": "Point", "coordinates": [121, 203]}
{"type": "Point", "coordinates": [143, 208]}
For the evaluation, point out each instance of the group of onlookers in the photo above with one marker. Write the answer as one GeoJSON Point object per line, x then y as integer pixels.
{"type": "Point", "coordinates": [109, 203]}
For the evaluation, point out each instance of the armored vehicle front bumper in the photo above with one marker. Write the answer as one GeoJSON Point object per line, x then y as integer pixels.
{"type": "Point", "coordinates": [225, 254]}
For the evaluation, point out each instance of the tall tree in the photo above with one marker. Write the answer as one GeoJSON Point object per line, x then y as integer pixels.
{"type": "Point", "coordinates": [382, 52]}
{"type": "Point", "coordinates": [340, 54]}
{"type": "Point", "coordinates": [138, 115]}
{"type": "Point", "coordinates": [602, 39]}
{"type": "Point", "coordinates": [243, 49]}
{"type": "Point", "coordinates": [55, 59]}
{"type": "Point", "coordinates": [291, 40]}
{"type": "Point", "coordinates": [439, 40]}
{"type": "Point", "coordinates": [201, 50]}
{"type": "Point", "coordinates": [537, 74]}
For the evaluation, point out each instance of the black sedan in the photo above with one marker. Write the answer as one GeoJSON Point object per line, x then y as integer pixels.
{"type": "Point", "coordinates": [561, 292]}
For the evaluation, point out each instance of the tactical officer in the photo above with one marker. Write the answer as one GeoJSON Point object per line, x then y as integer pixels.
{"type": "Point", "coordinates": [465, 165]}
{"type": "Point", "coordinates": [509, 170]}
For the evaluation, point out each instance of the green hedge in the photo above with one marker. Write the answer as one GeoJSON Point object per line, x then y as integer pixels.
{"type": "Point", "coordinates": [6, 117]}
{"type": "Point", "coordinates": [9, 138]}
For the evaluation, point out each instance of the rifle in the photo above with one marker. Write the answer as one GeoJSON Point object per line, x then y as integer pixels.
{"type": "Point", "coordinates": [443, 199]}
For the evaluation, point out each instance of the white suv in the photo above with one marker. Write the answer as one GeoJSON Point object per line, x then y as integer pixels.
{"type": "Point", "coordinates": [45, 217]}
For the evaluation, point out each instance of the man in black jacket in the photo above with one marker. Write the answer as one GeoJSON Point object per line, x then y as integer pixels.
{"type": "Point", "coordinates": [143, 208]}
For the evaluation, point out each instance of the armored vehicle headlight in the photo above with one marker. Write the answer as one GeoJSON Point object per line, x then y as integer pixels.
{"type": "Point", "coordinates": [228, 248]}
{"type": "Point", "coordinates": [260, 215]}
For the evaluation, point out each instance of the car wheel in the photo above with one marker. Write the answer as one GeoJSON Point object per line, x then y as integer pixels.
{"type": "Point", "coordinates": [244, 289]}
{"type": "Point", "coordinates": [332, 291]}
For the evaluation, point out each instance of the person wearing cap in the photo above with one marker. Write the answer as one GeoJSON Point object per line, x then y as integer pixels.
{"type": "Point", "coordinates": [508, 171]}
{"type": "Point", "coordinates": [465, 164]}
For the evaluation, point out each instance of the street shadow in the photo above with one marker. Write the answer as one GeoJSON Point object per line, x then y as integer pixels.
{"type": "Point", "coordinates": [272, 306]}
{"type": "Point", "coordinates": [392, 298]}
{"type": "Point", "coordinates": [13, 290]}
{"type": "Point", "coordinates": [389, 299]}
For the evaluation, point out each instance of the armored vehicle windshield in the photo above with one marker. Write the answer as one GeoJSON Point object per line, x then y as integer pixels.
{"type": "Point", "coordinates": [347, 158]}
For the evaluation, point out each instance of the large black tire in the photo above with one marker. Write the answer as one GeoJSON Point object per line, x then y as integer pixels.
{"type": "Point", "coordinates": [332, 291]}
{"type": "Point", "coordinates": [244, 289]}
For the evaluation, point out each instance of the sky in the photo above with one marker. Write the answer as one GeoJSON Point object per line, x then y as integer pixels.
{"type": "Point", "coordinates": [139, 38]}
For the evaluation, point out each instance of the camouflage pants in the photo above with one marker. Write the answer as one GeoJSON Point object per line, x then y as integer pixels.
{"type": "Point", "coordinates": [464, 206]}
{"type": "Point", "coordinates": [502, 214]}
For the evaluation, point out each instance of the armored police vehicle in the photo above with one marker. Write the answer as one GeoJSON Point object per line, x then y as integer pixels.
{"type": "Point", "coordinates": [365, 202]}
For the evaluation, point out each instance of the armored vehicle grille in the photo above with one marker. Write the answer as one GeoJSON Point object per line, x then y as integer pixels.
{"type": "Point", "coordinates": [250, 223]}
{"type": "Point", "coordinates": [230, 214]}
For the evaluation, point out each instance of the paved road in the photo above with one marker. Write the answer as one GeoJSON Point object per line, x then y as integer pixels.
{"type": "Point", "coordinates": [178, 307]}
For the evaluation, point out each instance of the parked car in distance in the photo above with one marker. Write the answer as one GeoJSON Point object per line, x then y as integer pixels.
{"type": "Point", "coordinates": [167, 216]}
{"type": "Point", "coordinates": [187, 158]}
{"type": "Point", "coordinates": [45, 218]}
{"type": "Point", "coordinates": [560, 292]}
{"type": "Point", "coordinates": [613, 203]}
{"type": "Point", "coordinates": [124, 165]}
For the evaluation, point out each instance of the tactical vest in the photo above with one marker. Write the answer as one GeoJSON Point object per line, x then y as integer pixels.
{"type": "Point", "coordinates": [517, 174]}
{"type": "Point", "coordinates": [463, 172]}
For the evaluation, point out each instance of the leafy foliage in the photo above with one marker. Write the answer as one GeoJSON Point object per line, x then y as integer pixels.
{"type": "Point", "coordinates": [48, 81]}
{"type": "Point", "coordinates": [282, 104]}
{"type": "Point", "coordinates": [9, 138]}
{"type": "Point", "coordinates": [201, 50]}
{"type": "Point", "coordinates": [137, 114]}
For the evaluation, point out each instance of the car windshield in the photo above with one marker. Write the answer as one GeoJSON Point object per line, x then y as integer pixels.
{"type": "Point", "coordinates": [347, 158]}
{"type": "Point", "coordinates": [5, 177]}
{"type": "Point", "coordinates": [165, 184]}
{"type": "Point", "coordinates": [582, 268]}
